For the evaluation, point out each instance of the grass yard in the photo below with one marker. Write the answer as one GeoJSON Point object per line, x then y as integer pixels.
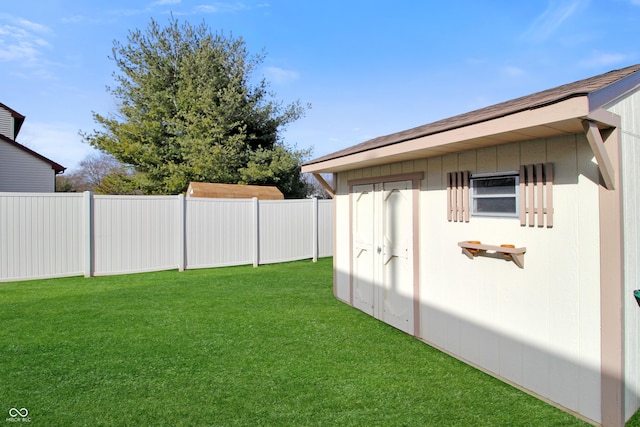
{"type": "Point", "coordinates": [232, 346]}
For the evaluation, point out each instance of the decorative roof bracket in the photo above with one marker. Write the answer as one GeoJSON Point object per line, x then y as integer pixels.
{"type": "Point", "coordinates": [325, 185]}
{"type": "Point", "coordinates": [600, 152]}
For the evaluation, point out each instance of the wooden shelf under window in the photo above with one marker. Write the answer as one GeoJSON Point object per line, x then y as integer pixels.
{"type": "Point", "coordinates": [471, 249]}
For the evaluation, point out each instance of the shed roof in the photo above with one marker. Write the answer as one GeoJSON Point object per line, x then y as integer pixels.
{"type": "Point", "coordinates": [551, 112]}
{"type": "Point", "coordinates": [233, 191]}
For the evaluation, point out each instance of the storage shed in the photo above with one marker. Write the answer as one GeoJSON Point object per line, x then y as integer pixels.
{"type": "Point", "coordinates": [233, 191]}
{"type": "Point", "coordinates": [508, 238]}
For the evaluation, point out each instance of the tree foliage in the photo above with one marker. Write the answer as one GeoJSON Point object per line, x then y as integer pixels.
{"type": "Point", "coordinates": [188, 111]}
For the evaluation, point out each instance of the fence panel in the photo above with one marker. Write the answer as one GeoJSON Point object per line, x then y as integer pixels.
{"type": "Point", "coordinates": [135, 233]}
{"type": "Point", "coordinates": [68, 234]}
{"type": "Point", "coordinates": [325, 228]}
{"type": "Point", "coordinates": [286, 230]}
{"type": "Point", "coordinates": [219, 232]}
{"type": "Point", "coordinates": [40, 235]}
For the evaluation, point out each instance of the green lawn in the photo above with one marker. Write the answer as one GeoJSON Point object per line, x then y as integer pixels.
{"type": "Point", "coordinates": [235, 346]}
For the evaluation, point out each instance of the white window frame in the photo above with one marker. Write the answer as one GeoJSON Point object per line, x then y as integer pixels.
{"type": "Point", "coordinates": [485, 176]}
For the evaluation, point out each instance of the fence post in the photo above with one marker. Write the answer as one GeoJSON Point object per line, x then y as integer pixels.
{"type": "Point", "coordinates": [88, 233]}
{"type": "Point", "coordinates": [315, 229]}
{"type": "Point", "coordinates": [256, 232]}
{"type": "Point", "coordinates": [182, 243]}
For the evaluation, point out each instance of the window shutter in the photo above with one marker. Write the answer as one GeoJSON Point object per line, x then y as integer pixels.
{"type": "Point", "coordinates": [458, 196]}
{"type": "Point", "coordinates": [536, 195]}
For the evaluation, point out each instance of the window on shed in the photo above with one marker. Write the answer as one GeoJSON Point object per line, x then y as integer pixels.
{"type": "Point", "coordinates": [527, 194]}
{"type": "Point", "coordinates": [495, 195]}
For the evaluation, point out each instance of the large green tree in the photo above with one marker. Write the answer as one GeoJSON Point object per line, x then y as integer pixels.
{"type": "Point", "coordinates": [190, 110]}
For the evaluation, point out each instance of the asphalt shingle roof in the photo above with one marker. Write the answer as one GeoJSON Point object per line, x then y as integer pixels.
{"type": "Point", "coordinates": [529, 102]}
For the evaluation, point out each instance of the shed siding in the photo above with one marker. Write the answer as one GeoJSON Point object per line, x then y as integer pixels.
{"type": "Point", "coordinates": [630, 142]}
{"type": "Point", "coordinates": [537, 327]}
{"type": "Point", "coordinates": [6, 124]}
{"type": "Point", "coordinates": [22, 172]}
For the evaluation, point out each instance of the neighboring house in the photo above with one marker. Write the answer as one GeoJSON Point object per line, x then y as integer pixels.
{"type": "Point", "coordinates": [421, 217]}
{"type": "Point", "coordinates": [233, 191]}
{"type": "Point", "coordinates": [22, 169]}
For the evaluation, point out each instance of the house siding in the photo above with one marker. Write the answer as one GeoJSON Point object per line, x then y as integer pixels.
{"type": "Point", "coordinates": [537, 327]}
{"type": "Point", "coordinates": [630, 143]}
{"type": "Point", "coordinates": [23, 172]}
{"type": "Point", "coordinates": [6, 124]}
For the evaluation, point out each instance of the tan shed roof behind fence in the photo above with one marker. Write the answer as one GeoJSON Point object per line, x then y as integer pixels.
{"type": "Point", "coordinates": [233, 191]}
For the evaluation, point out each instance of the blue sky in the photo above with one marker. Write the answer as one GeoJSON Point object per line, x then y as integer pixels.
{"type": "Point", "coordinates": [368, 68]}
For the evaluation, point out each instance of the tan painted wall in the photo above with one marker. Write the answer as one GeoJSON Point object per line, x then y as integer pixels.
{"type": "Point", "coordinates": [537, 327]}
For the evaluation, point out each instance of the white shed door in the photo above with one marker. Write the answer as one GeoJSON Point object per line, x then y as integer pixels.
{"type": "Point", "coordinates": [363, 247]}
{"type": "Point", "coordinates": [383, 252]}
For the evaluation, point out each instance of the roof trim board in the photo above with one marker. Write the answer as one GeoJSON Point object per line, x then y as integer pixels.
{"type": "Point", "coordinates": [552, 112]}
{"type": "Point", "coordinates": [560, 118]}
{"type": "Point", "coordinates": [615, 90]}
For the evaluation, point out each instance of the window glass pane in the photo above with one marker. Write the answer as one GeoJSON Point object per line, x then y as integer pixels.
{"type": "Point", "coordinates": [497, 185]}
{"type": "Point", "coordinates": [502, 205]}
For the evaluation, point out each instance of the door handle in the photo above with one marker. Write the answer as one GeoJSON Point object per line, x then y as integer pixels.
{"type": "Point", "coordinates": [379, 249]}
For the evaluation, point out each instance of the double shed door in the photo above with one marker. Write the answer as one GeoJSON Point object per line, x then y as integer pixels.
{"type": "Point", "coordinates": [382, 258]}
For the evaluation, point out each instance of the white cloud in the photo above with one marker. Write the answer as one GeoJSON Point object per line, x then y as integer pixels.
{"type": "Point", "coordinates": [75, 19]}
{"type": "Point", "coordinates": [33, 26]}
{"type": "Point", "coordinates": [556, 13]}
{"type": "Point", "coordinates": [79, 19]}
{"type": "Point", "coordinates": [207, 8]}
{"type": "Point", "coordinates": [165, 2]}
{"type": "Point", "coordinates": [220, 7]}
{"type": "Point", "coordinates": [182, 9]}
{"type": "Point", "coordinates": [512, 71]}
{"type": "Point", "coordinates": [22, 44]}
{"type": "Point", "coordinates": [280, 75]}
{"type": "Point", "coordinates": [602, 59]}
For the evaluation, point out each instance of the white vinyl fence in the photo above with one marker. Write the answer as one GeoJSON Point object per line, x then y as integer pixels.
{"type": "Point", "coordinates": [46, 235]}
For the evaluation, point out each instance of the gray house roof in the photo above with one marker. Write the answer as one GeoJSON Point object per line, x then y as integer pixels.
{"type": "Point", "coordinates": [592, 93]}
